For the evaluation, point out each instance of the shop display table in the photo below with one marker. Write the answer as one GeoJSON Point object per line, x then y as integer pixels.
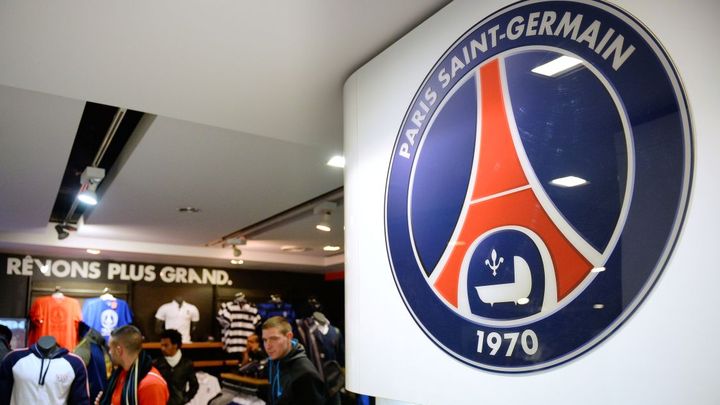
{"type": "Point", "coordinates": [256, 382]}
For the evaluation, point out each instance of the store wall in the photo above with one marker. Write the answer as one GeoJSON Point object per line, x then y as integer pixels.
{"type": "Point", "coordinates": [146, 286]}
{"type": "Point", "coordinates": [666, 351]}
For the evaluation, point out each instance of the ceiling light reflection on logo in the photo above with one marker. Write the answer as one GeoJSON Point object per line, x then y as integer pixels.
{"type": "Point", "coordinates": [558, 66]}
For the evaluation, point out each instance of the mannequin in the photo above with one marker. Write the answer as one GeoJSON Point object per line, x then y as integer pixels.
{"type": "Point", "coordinates": [106, 313]}
{"type": "Point", "coordinates": [106, 296]}
{"type": "Point", "coordinates": [55, 315]}
{"type": "Point", "coordinates": [322, 322]}
{"type": "Point", "coordinates": [93, 352]}
{"type": "Point", "coordinates": [178, 314]}
{"type": "Point", "coordinates": [314, 304]}
{"type": "Point", "coordinates": [238, 319]}
{"type": "Point", "coordinates": [44, 371]}
{"type": "Point", "coordinates": [276, 307]}
{"type": "Point", "coordinates": [48, 346]}
{"type": "Point", "coordinates": [58, 293]}
{"type": "Point", "coordinates": [160, 324]}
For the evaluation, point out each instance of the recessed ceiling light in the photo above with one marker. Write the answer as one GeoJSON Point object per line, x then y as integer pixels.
{"type": "Point", "coordinates": [189, 209]}
{"type": "Point", "coordinates": [557, 66]}
{"type": "Point", "coordinates": [237, 261]}
{"type": "Point", "coordinates": [598, 269]}
{"type": "Point", "coordinates": [93, 251]}
{"type": "Point", "coordinates": [568, 181]}
{"type": "Point", "coordinates": [295, 249]}
{"type": "Point", "coordinates": [598, 306]}
{"type": "Point", "coordinates": [331, 248]}
{"type": "Point", "coordinates": [336, 161]}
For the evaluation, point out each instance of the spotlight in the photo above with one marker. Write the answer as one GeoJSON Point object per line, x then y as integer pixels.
{"type": "Point", "coordinates": [324, 224]}
{"type": "Point", "coordinates": [88, 197]}
{"type": "Point", "coordinates": [62, 230]}
{"type": "Point", "coordinates": [325, 209]}
{"type": "Point", "coordinates": [90, 178]}
{"type": "Point", "coordinates": [235, 242]}
{"type": "Point", "coordinates": [240, 240]}
{"type": "Point", "coordinates": [62, 233]}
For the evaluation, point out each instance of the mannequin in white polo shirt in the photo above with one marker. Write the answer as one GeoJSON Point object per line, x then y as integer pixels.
{"type": "Point", "coordinates": [179, 315]}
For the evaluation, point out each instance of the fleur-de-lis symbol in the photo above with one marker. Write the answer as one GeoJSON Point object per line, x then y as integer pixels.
{"type": "Point", "coordinates": [495, 262]}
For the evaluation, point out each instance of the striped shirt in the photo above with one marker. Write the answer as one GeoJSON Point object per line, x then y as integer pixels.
{"type": "Point", "coordinates": [238, 321]}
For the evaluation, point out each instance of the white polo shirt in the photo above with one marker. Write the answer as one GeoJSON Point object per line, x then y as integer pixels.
{"type": "Point", "coordinates": [178, 317]}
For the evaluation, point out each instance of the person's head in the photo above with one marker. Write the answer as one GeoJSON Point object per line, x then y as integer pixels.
{"type": "Point", "coordinates": [170, 342]}
{"type": "Point", "coordinates": [253, 342]}
{"type": "Point", "coordinates": [5, 333]}
{"type": "Point", "coordinates": [277, 337]}
{"type": "Point", "coordinates": [125, 345]}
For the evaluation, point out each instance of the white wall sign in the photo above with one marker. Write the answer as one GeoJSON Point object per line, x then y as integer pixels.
{"type": "Point", "coordinates": [434, 309]}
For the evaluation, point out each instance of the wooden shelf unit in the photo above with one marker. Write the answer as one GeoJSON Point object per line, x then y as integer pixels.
{"type": "Point", "coordinates": [257, 382]}
{"type": "Point", "coordinates": [194, 345]}
{"type": "Point", "coordinates": [203, 354]}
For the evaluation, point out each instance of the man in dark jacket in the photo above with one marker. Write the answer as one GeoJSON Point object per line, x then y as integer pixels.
{"type": "Point", "coordinates": [293, 378]}
{"type": "Point", "coordinates": [5, 338]}
{"type": "Point", "coordinates": [175, 369]}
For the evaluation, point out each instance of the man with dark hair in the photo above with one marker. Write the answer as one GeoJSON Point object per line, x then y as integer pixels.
{"type": "Point", "coordinates": [176, 370]}
{"type": "Point", "coordinates": [253, 350]}
{"type": "Point", "coordinates": [293, 378]}
{"type": "Point", "coordinates": [5, 339]}
{"type": "Point", "coordinates": [135, 381]}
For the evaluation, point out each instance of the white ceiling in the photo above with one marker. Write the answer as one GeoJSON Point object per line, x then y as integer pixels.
{"type": "Point", "coordinates": [244, 103]}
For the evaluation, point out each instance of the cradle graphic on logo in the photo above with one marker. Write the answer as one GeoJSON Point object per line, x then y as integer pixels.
{"type": "Point", "coordinates": [538, 184]}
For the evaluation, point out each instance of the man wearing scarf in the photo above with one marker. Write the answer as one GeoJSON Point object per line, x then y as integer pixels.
{"type": "Point", "coordinates": [135, 381]}
{"type": "Point", "coordinates": [176, 370]}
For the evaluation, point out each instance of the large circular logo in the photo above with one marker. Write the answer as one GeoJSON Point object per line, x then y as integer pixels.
{"type": "Point", "coordinates": [538, 184]}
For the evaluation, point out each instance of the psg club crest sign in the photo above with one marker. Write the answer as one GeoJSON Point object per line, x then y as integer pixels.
{"type": "Point", "coordinates": [538, 184]}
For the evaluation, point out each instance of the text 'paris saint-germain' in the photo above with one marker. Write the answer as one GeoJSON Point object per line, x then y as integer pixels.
{"type": "Point", "coordinates": [604, 41]}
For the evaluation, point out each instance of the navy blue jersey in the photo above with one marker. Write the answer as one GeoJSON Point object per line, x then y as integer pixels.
{"type": "Point", "coordinates": [269, 309]}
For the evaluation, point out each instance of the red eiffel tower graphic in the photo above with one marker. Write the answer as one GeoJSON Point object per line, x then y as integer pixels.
{"type": "Point", "coordinates": [501, 195]}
